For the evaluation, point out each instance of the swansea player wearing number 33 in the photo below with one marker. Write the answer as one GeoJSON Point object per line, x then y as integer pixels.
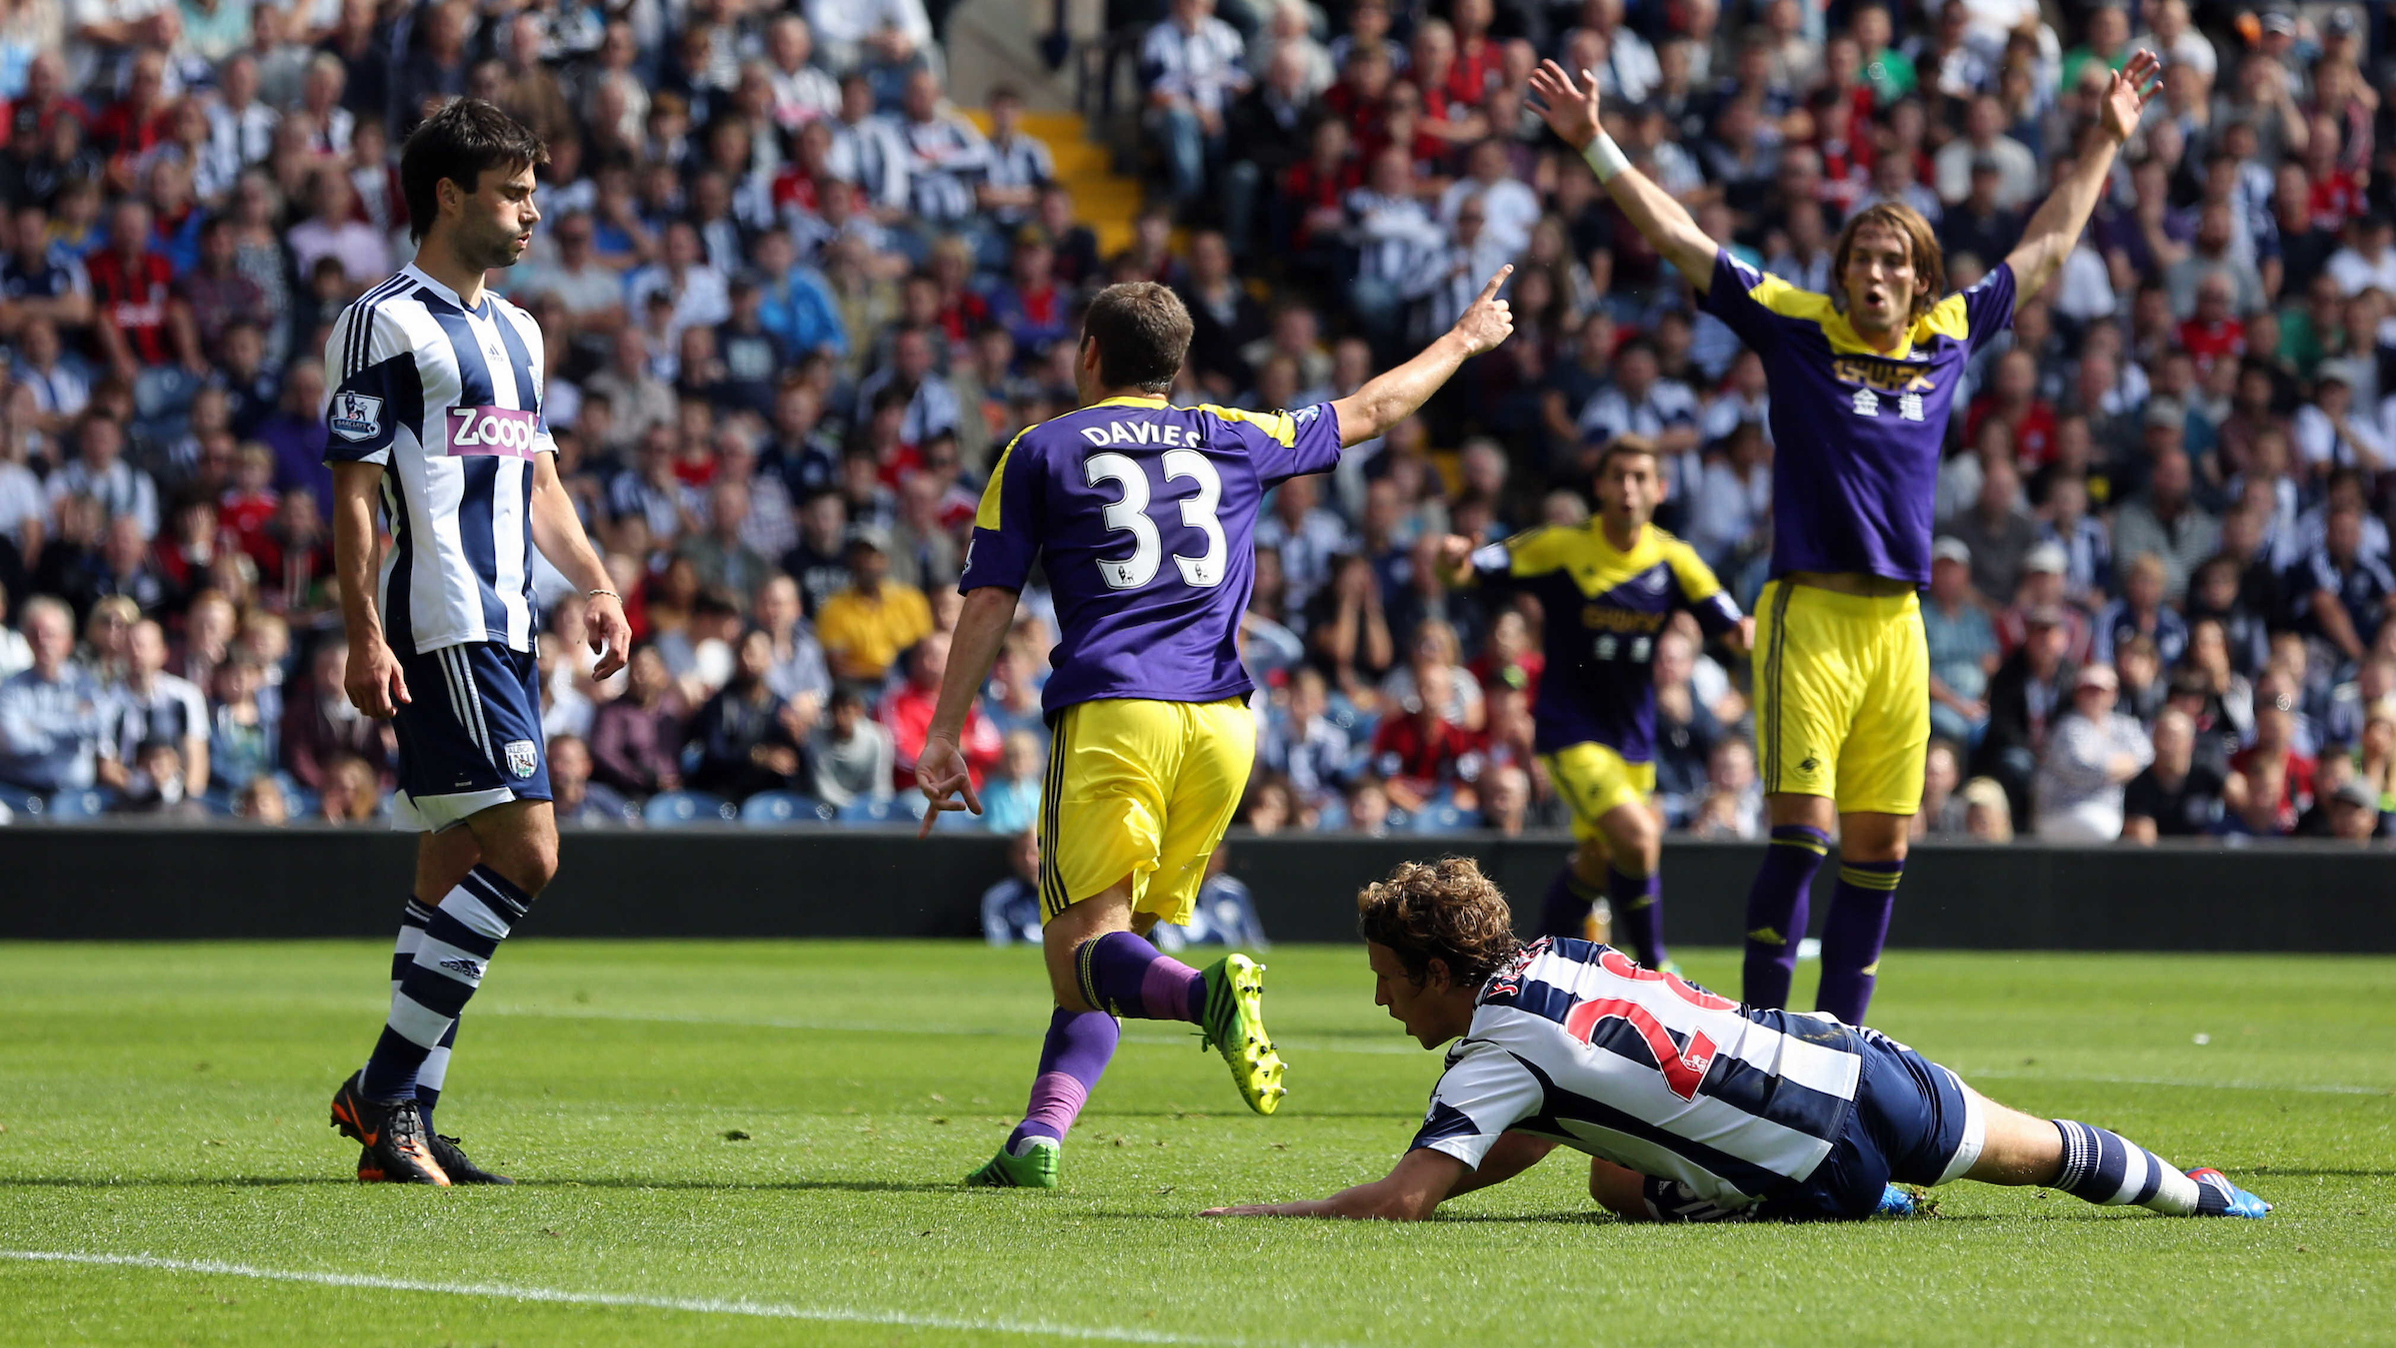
{"type": "Point", "coordinates": [1690, 1106]}
{"type": "Point", "coordinates": [1143, 516]}
{"type": "Point", "coordinates": [435, 425]}
{"type": "Point", "coordinates": [1608, 587]}
{"type": "Point", "coordinates": [1862, 383]}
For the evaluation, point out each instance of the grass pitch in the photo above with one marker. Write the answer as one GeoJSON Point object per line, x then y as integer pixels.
{"type": "Point", "coordinates": [727, 1143]}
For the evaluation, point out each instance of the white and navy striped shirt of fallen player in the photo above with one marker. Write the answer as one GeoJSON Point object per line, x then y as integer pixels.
{"type": "Point", "coordinates": [1690, 1106]}
{"type": "Point", "coordinates": [435, 434]}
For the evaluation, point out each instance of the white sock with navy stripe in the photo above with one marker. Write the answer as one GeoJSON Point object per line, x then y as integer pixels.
{"type": "Point", "coordinates": [412, 920]}
{"type": "Point", "coordinates": [2108, 1169]}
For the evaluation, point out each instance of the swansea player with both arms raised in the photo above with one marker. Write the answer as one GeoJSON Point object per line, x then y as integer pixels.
{"type": "Point", "coordinates": [1690, 1106]}
{"type": "Point", "coordinates": [436, 423]}
{"type": "Point", "coordinates": [1143, 516]}
{"type": "Point", "coordinates": [1862, 383]}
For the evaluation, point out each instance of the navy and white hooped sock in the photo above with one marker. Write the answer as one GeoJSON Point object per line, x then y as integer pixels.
{"type": "Point", "coordinates": [450, 960]}
{"type": "Point", "coordinates": [429, 1078]}
{"type": "Point", "coordinates": [2108, 1169]}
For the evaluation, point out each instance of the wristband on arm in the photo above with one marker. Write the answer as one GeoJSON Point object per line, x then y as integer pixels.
{"type": "Point", "coordinates": [1605, 157]}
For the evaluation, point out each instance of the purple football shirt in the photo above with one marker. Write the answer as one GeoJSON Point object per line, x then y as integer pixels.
{"type": "Point", "coordinates": [1144, 518]}
{"type": "Point", "coordinates": [1857, 433]}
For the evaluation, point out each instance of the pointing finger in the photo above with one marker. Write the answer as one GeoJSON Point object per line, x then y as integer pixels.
{"type": "Point", "coordinates": [1489, 292]}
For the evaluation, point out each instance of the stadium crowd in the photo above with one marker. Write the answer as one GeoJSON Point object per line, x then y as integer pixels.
{"type": "Point", "coordinates": [796, 304]}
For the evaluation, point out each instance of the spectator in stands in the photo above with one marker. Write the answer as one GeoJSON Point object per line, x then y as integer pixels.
{"type": "Point", "coordinates": [2271, 782]}
{"type": "Point", "coordinates": [579, 801]}
{"type": "Point", "coordinates": [1191, 64]}
{"type": "Point", "coordinates": [1943, 805]}
{"type": "Point", "coordinates": [2338, 594]}
{"type": "Point", "coordinates": [2176, 796]}
{"type": "Point", "coordinates": [1962, 645]}
{"type": "Point", "coordinates": [1733, 805]}
{"type": "Point", "coordinates": [321, 725]}
{"type": "Point", "coordinates": [907, 713]}
{"type": "Point", "coordinates": [1011, 908]}
{"type": "Point", "coordinates": [747, 738]}
{"type": "Point", "coordinates": [352, 792]}
{"type": "Point", "coordinates": [2165, 520]}
{"type": "Point", "coordinates": [51, 713]}
{"type": "Point", "coordinates": [2140, 611]}
{"type": "Point", "coordinates": [1419, 753]}
{"type": "Point", "coordinates": [2092, 753]}
{"type": "Point", "coordinates": [636, 739]}
{"type": "Point", "coordinates": [1011, 801]}
{"type": "Point", "coordinates": [2027, 694]}
{"type": "Point", "coordinates": [850, 755]}
{"type": "Point", "coordinates": [864, 627]}
{"type": "Point", "coordinates": [1997, 532]}
{"type": "Point", "coordinates": [243, 742]}
{"type": "Point", "coordinates": [99, 471]}
{"type": "Point", "coordinates": [150, 706]}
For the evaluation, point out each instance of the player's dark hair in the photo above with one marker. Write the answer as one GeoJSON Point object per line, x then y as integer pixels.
{"type": "Point", "coordinates": [1143, 335]}
{"type": "Point", "coordinates": [1443, 910]}
{"type": "Point", "coordinates": [1929, 264]}
{"type": "Point", "coordinates": [458, 144]}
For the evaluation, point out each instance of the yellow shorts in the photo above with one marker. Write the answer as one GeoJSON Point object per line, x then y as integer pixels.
{"type": "Point", "coordinates": [1144, 789]}
{"type": "Point", "coordinates": [1594, 780]}
{"type": "Point", "coordinates": [1842, 697]}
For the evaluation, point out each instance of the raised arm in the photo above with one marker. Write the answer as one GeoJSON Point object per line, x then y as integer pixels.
{"type": "Point", "coordinates": [2055, 230]}
{"type": "Point", "coordinates": [1571, 112]}
{"type": "Point", "coordinates": [1391, 397]}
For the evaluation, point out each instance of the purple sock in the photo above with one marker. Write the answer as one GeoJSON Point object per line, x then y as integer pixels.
{"type": "Point", "coordinates": [1776, 912]}
{"type": "Point", "coordinates": [1565, 910]}
{"type": "Point", "coordinates": [1123, 974]}
{"type": "Point", "coordinates": [1078, 1048]}
{"type": "Point", "coordinates": [1852, 938]}
{"type": "Point", "coordinates": [1638, 915]}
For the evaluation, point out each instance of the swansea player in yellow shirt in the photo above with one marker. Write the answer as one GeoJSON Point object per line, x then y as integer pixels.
{"type": "Point", "coordinates": [1607, 588]}
{"type": "Point", "coordinates": [1862, 382]}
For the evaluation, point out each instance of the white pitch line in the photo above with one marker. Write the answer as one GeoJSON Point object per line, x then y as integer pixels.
{"type": "Point", "coordinates": [765, 1310]}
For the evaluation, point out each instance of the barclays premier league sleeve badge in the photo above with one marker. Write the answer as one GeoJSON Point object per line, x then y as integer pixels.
{"type": "Point", "coordinates": [356, 416]}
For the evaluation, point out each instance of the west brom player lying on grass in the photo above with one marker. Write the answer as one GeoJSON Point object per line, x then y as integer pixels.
{"type": "Point", "coordinates": [1690, 1106]}
{"type": "Point", "coordinates": [1143, 514]}
{"type": "Point", "coordinates": [1608, 587]}
{"type": "Point", "coordinates": [436, 420]}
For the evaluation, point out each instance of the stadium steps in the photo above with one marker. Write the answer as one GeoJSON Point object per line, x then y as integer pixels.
{"type": "Point", "coordinates": [1107, 201]}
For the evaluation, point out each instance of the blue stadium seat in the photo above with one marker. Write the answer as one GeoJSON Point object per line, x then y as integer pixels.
{"type": "Point", "coordinates": [771, 809]}
{"type": "Point", "coordinates": [675, 809]}
{"type": "Point", "coordinates": [75, 805]}
{"type": "Point", "coordinates": [1440, 816]}
{"type": "Point", "coordinates": [873, 812]}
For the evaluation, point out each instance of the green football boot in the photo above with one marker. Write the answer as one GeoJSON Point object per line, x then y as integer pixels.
{"type": "Point", "coordinates": [1036, 1168]}
{"type": "Point", "coordinates": [1234, 1024]}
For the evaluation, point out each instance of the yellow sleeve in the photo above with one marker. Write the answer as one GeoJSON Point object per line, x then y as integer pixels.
{"type": "Point", "coordinates": [1535, 552]}
{"type": "Point", "coordinates": [1697, 580]}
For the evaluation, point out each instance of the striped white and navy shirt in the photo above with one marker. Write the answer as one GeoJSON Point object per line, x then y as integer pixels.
{"type": "Point", "coordinates": [448, 399]}
{"type": "Point", "coordinates": [1575, 1042]}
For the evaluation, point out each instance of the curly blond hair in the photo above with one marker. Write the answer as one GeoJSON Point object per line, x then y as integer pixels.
{"type": "Point", "coordinates": [1442, 910]}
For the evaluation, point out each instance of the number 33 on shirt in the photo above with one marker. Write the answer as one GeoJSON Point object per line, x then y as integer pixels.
{"type": "Point", "coordinates": [1102, 497]}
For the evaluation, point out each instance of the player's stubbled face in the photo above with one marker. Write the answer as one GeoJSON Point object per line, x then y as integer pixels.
{"type": "Point", "coordinates": [500, 216]}
{"type": "Point", "coordinates": [1880, 280]}
{"type": "Point", "coordinates": [1628, 489]}
{"type": "Point", "coordinates": [1409, 1002]}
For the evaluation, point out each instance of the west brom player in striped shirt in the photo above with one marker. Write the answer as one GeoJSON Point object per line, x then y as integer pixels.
{"type": "Point", "coordinates": [436, 423]}
{"type": "Point", "coordinates": [1690, 1106]}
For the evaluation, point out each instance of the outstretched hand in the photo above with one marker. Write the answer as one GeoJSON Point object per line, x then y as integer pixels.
{"type": "Point", "coordinates": [2126, 95]}
{"type": "Point", "coordinates": [1571, 112]}
{"type": "Point", "coordinates": [1488, 320]}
